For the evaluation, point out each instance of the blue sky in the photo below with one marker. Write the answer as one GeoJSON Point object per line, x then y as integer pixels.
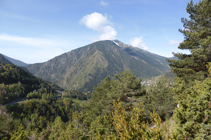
{"type": "Point", "coordinates": [37, 30]}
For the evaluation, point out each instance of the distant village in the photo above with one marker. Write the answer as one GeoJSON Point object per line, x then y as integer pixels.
{"type": "Point", "coordinates": [152, 82]}
{"type": "Point", "coordinates": [147, 82]}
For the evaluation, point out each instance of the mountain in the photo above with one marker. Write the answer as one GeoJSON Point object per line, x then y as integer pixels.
{"type": "Point", "coordinates": [169, 76]}
{"type": "Point", "coordinates": [3, 59]}
{"type": "Point", "coordinates": [16, 82]}
{"type": "Point", "coordinates": [8, 60]}
{"type": "Point", "coordinates": [16, 62]}
{"type": "Point", "coordinates": [173, 58]}
{"type": "Point", "coordinates": [83, 68]}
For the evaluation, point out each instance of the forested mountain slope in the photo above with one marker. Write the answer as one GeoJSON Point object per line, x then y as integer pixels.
{"type": "Point", "coordinates": [16, 82]}
{"type": "Point", "coordinates": [3, 59]}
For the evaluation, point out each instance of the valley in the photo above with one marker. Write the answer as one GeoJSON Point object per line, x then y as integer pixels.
{"type": "Point", "coordinates": [90, 76]}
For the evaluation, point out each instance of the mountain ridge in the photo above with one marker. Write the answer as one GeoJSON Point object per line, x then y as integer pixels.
{"type": "Point", "coordinates": [83, 68]}
{"type": "Point", "coordinates": [16, 83]}
{"type": "Point", "coordinates": [15, 61]}
{"type": "Point", "coordinates": [4, 60]}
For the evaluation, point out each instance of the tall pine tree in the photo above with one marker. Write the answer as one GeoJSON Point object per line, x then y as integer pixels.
{"type": "Point", "coordinates": [197, 32]}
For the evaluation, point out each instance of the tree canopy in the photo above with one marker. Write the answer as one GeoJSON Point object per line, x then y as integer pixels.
{"type": "Point", "coordinates": [197, 39]}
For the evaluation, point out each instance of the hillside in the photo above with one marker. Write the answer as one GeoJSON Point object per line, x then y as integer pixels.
{"type": "Point", "coordinates": [83, 68]}
{"type": "Point", "coordinates": [8, 60]}
{"type": "Point", "coordinates": [16, 82]}
{"type": "Point", "coordinates": [3, 59]}
{"type": "Point", "coordinates": [15, 61]}
{"type": "Point", "coordinates": [169, 77]}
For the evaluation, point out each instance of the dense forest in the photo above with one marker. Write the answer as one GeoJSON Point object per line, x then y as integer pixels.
{"type": "Point", "coordinates": [120, 107]}
{"type": "Point", "coordinates": [79, 115]}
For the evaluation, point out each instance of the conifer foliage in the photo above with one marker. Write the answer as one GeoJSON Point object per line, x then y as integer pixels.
{"type": "Point", "coordinates": [130, 126]}
{"type": "Point", "coordinates": [126, 86]}
{"type": "Point", "coordinates": [193, 117]}
{"type": "Point", "coordinates": [161, 98]}
{"type": "Point", "coordinates": [197, 32]}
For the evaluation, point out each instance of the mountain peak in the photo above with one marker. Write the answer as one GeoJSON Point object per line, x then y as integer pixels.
{"type": "Point", "coordinates": [83, 68]}
{"type": "Point", "coordinates": [124, 46]}
{"type": "Point", "coordinates": [120, 44]}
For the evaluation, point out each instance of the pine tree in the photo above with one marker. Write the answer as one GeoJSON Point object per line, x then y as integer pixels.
{"type": "Point", "coordinates": [160, 97]}
{"type": "Point", "coordinates": [20, 134]}
{"type": "Point", "coordinates": [131, 125]}
{"type": "Point", "coordinates": [197, 32]}
{"type": "Point", "coordinates": [193, 117]}
{"type": "Point", "coordinates": [126, 86]}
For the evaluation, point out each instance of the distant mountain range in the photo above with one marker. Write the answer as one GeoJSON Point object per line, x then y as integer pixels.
{"type": "Point", "coordinates": [4, 60]}
{"type": "Point", "coordinates": [16, 62]}
{"type": "Point", "coordinates": [83, 68]}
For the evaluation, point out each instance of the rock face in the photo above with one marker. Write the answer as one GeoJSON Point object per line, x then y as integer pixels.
{"type": "Point", "coordinates": [83, 68]}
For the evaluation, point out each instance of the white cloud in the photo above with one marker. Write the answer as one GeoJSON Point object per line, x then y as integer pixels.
{"type": "Point", "coordinates": [32, 50]}
{"type": "Point", "coordinates": [108, 32]}
{"type": "Point", "coordinates": [173, 42]}
{"type": "Point", "coordinates": [31, 55]}
{"type": "Point", "coordinates": [19, 17]}
{"type": "Point", "coordinates": [138, 42]}
{"type": "Point", "coordinates": [103, 3]}
{"type": "Point", "coordinates": [94, 21]}
{"type": "Point", "coordinates": [27, 41]}
{"type": "Point", "coordinates": [101, 24]}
